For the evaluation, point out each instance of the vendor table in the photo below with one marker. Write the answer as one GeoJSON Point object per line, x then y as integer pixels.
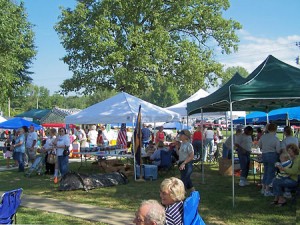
{"type": "Point", "coordinates": [102, 155]}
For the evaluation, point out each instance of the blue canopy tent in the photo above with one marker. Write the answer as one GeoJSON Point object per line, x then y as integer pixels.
{"type": "Point", "coordinates": [18, 122]}
{"type": "Point", "coordinates": [292, 113]}
{"type": "Point", "coordinates": [176, 125]}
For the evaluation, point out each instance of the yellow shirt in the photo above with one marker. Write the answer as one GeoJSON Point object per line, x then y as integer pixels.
{"type": "Point", "coordinates": [294, 170]}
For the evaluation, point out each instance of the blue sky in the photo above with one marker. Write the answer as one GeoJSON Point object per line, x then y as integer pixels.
{"type": "Point", "coordinates": [269, 27]}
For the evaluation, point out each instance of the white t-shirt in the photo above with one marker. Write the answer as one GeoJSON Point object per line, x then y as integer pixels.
{"type": "Point", "coordinates": [209, 134]}
{"type": "Point", "coordinates": [48, 145]}
{"type": "Point", "coordinates": [92, 135]}
{"type": "Point", "coordinates": [31, 136]}
{"type": "Point", "coordinates": [62, 141]}
{"type": "Point", "coordinates": [80, 134]}
{"type": "Point", "coordinates": [289, 140]}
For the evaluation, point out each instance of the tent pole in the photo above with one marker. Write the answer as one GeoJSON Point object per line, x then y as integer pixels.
{"type": "Point", "coordinates": [226, 121]}
{"type": "Point", "coordinates": [232, 154]}
{"type": "Point", "coordinates": [202, 156]}
{"type": "Point", "coordinates": [133, 149]}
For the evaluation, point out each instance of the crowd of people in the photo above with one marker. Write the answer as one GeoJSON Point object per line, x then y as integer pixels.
{"type": "Point", "coordinates": [25, 144]}
{"type": "Point", "coordinates": [280, 158]}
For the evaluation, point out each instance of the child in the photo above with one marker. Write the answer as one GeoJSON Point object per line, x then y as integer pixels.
{"type": "Point", "coordinates": [285, 161]}
{"type": "Point", "coordinates": [8, 153]}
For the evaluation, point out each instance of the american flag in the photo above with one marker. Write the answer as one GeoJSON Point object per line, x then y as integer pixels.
{"type": "Point", "coordinates": [122, 136]}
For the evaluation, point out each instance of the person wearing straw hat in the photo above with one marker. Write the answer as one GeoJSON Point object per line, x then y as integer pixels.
{"type": "Point", "coordinates": [186, 156]}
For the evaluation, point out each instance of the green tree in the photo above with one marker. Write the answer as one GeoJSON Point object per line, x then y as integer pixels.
{"type": "Point", "coordinates": [16, 49]}
{"type": "Point", "coordinates": [230, 71]}
{"type": "Point", "coordinates": [142, 46]}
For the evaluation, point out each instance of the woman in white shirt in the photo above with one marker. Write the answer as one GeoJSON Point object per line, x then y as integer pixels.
{"type": "Point", "coordinates": [92, 136]}
{"type": "Point", "coordinates": [209, 142]}
{"type": "Point", "coordinates": [48, 149]}
{"type": "Point", "coordinates": [62, 141]}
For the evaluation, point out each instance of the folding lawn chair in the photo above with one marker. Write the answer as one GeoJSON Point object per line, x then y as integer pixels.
{"type": "Point", "coordinates": [10, 202]}
{"type": "Point", "coordinates": [166, 162]}
{"type": "Point", "coordinates": [37, 166]}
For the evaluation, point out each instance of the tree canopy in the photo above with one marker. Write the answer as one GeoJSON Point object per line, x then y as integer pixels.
{"type": "Point", "coordinates": [230, 71]}
{"type": "Point", "coordinates": [16, 49]}
{"type": "Point", "coordinates": [142, 46]}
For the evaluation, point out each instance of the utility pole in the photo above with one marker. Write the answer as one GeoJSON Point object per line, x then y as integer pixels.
{"type": "Point", "coordinates": [298, 58]}
{"type": "Point", "coordinates": [8, 107]}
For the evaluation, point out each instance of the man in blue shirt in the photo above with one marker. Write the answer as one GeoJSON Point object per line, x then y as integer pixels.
{"type": "Point", "coordinates": [146, 133]}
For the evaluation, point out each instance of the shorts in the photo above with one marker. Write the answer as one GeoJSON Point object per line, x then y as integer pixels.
{"type": "Point", "coordinates": [8, 154]}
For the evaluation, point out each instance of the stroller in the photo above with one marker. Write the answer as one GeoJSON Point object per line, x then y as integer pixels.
{"type": "Point", "coordinates": [38, 166]}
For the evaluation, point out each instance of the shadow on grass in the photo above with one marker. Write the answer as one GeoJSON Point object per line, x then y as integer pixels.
{"type": "Point", "coordinates": [216, 206]}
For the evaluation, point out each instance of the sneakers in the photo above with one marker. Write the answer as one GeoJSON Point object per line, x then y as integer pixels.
{"type": "Point", "coordinates": [243, 183]}
{"type": "Point", "coordinates": [246, 183]}
{"type": "Point", "coordinates": [287, 194]}
{"type": "Point", "coordinates": [268, 194]}
{"type": "Point", "coordinates": [55, 180]}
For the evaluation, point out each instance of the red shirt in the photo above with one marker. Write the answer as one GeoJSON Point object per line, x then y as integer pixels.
{"type": "Point", "coordinates": [197, 136]}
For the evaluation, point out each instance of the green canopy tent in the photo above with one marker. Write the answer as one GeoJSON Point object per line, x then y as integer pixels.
{"type": "Point", "coordinates": [218, 101]}
{"type": "Point", "coordinates": [273, 84]}
{"type": "Point", "coordinates": [35, 114]}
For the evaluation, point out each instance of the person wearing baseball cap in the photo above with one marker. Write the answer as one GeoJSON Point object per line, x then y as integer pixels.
{"type": "Point", "coordinates": [186, 157]}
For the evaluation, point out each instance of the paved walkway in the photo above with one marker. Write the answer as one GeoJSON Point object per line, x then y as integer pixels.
{"type": "Point", "coordinates": [83, 211]}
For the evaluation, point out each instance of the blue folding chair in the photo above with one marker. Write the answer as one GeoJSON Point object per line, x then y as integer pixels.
{"type": "Point", "coordinates": [10, 202]}
{"type": "Point", "coordinates": [190, 210]}
{"type": "Point", "coordinates": [166, 162]}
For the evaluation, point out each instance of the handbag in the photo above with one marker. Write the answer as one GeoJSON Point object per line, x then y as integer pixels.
{"type": "Point", "coordinates": [66, 151]}
{"type": "Point", "coordinates": [51, 158]}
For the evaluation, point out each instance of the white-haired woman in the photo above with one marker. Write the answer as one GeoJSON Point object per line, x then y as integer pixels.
{"type": "Point", "coordinates": [172, 194]}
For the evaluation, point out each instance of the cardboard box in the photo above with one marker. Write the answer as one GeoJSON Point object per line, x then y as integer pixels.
{"type": "Point", "coordinates": [225, 167]}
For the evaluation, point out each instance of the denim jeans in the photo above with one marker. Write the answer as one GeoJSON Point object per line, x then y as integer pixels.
{"type": "Point", "coordinates": [209, 145]}
{"type": "Point", "coordinates": [197, 148]}
{"type": "Point", "coordinates": [145, 143]}
{"type": "Point", "coordinates": [186, 175]}
{"type": "Point", "coordinates": [20, 158]}
{"type": "Point", "coordinates": [244, 159]}
{"type": "Point", "coordinates": [269, 159]}
{"type": "Point", "coordinates": [280, 183]}
{"type": "Point", "coordinates": [226, 154]}
{"type": "Point", "coordinates": [63, 164]}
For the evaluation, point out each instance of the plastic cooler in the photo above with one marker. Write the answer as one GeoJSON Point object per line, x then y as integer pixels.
{"type": "Point", "coordinates": [149, 171]}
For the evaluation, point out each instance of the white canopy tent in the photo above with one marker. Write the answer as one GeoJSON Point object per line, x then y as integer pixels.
{"type": "Point", "coordinates": [2, 119]}
{"type": "Point", "coordinates": [180, 108]}
{"type": "Point", "coordinates": [121, 108]}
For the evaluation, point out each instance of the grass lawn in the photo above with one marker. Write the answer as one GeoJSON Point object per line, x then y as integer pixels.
{"type": "Point", "coordinates": [215, 206]}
